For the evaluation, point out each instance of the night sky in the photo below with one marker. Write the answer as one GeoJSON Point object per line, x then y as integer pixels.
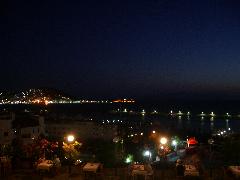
{"type": "Point", "coordinates": [108, 49]}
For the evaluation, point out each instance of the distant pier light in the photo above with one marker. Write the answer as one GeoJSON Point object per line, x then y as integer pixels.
{"type": "Point", "coordinates": [188, 113]}
{"type": "Point", "coordinates": [228, 115]}
{"type": "Point", "coordinates": [125, 110]}
{"type": "Point", "coordinates": [143, 112]}
{"type": "Point", "coordinates": [202, 114]}
{"type": "Point", "coordinates": [155, 111]}
{"type": "Point", "coordinates": [212, 114]}
{"type": "Point", "coordinates": [179, 113]}
{"type": "Point", "coordinates": [171, 112]}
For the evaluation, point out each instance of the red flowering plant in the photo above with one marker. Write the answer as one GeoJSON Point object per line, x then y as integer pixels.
{"type": "Point", "coordinates": [41, 147]}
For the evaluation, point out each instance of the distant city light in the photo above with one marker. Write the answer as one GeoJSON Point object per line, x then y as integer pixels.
{"type": "Point", "coordinates": [153, 132]}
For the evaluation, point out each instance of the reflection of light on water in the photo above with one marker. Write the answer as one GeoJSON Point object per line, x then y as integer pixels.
{"type": "Point", "coordinates": [188, 121]}
{"type": "Point", "coordinates": [227, 124]}
{"type": "Point", "coordinates": [202, 118]}
{"type": "Point", "coordinates": [188, 118]}
{"type": "Point", "coordinates": [212, 125]}
{"type": "Point", "coordinates": [180, 120]}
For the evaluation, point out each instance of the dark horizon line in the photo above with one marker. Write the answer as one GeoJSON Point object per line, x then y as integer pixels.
{"type": "Point", "coordinates": [161, 96]}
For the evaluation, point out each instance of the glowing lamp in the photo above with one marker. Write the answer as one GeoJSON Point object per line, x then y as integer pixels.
{"type": "Point", "coordinates": [163, 140]}
{"type": "Point", "coordinates": [174, 142]}
{"type": "Point", "coordinates": [128, 160]}
{"type": "Point", "coordinates": [70, 138]}
{"type": "Point", "coordinates": [147, 153]}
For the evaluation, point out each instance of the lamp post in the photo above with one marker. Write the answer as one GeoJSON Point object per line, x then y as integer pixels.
{"type": "Point", "coordinates": [70, 140]}
{"type": "Point", "coordinates": [163, 142]}
{"type": "Point", "coordinates": [147, 154]}
{"type": "Point", "coordinates": [174, 143]}
{"type": "Point", "coordinates": [210, 142]}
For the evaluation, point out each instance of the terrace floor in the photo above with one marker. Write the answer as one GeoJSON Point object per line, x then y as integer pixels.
{"type": "Point", "coordinates": [112, 174]}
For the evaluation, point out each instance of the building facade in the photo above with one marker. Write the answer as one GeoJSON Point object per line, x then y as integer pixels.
{"type": "Point", "coordinates": [24, 126]}
{"type": "Point", "coordinates": [83, 130]}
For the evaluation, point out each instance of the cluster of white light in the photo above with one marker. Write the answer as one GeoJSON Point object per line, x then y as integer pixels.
{"type": "Point", "coordinates": [223, 132]}
{"type": "Point", "coordinates": [113, 121]}
{"type": "Point", "coordinates": [78, 161]}
{"type": "Point", "coordinates": [131, 135]}
{"type": "Point", "coordinates": [172, 113]}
